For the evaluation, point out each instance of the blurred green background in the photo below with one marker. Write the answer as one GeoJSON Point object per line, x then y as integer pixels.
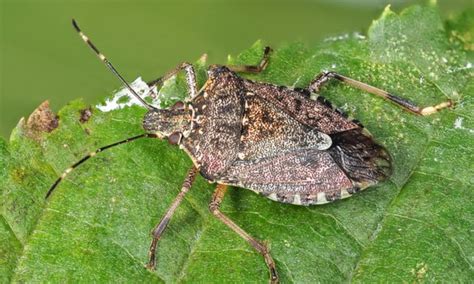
{"type": "Point", "coordinates": [42, 58]}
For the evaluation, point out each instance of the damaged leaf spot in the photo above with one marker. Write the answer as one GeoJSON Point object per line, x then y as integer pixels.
{"type": "Point", "coordinates": [420, 271]}
{"type": "Point", "coordinates": [85, 114]}
{"type": "Point", "coordinates": [41, 120]}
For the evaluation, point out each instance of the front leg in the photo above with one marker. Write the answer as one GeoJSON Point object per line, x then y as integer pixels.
{"type": "Point", "coordinates": [190, 78]}
{"type": "Point", "coordinates": [160, 228]}
{"type": "Point", "coordinates": [216, 201]}
{"type": "Point", "coordinates": [255, 69]}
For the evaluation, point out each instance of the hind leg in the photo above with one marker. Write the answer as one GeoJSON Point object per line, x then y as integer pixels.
{"type": "Point", "coordinates": [405, 104]}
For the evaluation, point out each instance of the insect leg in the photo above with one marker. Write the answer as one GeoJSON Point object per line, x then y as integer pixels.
{"type": "Point", "coordinates": [160, 228]}
{"type": "Point", "coordinates": [92, 154]}
{"type": "Point", "coordinates": [190, 78]}
{"type": "Point", "coordinates": [254, 68]}
{"type": "Point", "coordinates": [407, 105]}
{"type": "Point", "coordinates": [217, 198]}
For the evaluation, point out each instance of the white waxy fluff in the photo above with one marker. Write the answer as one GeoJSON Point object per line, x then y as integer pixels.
{"type": "Point", "coordinates": [139, 86]}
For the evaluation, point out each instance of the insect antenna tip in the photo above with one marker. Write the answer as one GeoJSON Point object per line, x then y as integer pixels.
{"type": "Point", "coordinates": [75, 25]}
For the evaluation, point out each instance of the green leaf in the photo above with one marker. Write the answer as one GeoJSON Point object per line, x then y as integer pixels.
{"type": "Point", "coordinates": [415, 227]}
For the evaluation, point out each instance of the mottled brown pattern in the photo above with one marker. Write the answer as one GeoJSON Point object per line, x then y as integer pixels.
{"type": "Point", "coordinates": [167, 121]}
{"type": "Point", "coordinates": [314, 113]}
{"type": "Point", "coordinates": [300, 171]}
{"type": "Point", "coordinates": [268, 131]}
{"type": "Point", "coordinates": [215, 135]}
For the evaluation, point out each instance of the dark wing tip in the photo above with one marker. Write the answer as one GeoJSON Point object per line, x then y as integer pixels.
{"type": "Point", "coordinates": [360, 157]}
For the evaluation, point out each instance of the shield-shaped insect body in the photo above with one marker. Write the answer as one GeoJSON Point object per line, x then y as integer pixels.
{"type": "Point", "coordinates": [273, 140]}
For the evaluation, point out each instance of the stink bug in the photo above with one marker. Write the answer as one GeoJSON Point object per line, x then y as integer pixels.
{"type": "Point", "coordinates": [273, 140]}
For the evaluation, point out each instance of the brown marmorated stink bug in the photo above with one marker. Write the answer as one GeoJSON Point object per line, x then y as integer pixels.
{"type": "Point", "coordinates": [273, 140]}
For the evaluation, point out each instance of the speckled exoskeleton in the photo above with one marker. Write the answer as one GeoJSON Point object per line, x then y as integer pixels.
{"type": "Point", "coordinates": [273, 140]}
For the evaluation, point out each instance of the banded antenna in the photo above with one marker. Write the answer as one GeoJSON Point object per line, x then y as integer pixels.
{"type": "Point", "coordinates": [109, 65]}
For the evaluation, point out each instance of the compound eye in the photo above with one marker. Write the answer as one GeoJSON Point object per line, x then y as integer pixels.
{"type": "Point", "coordinates": [178, 106]}
{"type": "Point", "coordinates": [174, 138]}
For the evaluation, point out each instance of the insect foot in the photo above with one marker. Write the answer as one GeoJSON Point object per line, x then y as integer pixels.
{"type": "Point", "coordinates": [214, 206]}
